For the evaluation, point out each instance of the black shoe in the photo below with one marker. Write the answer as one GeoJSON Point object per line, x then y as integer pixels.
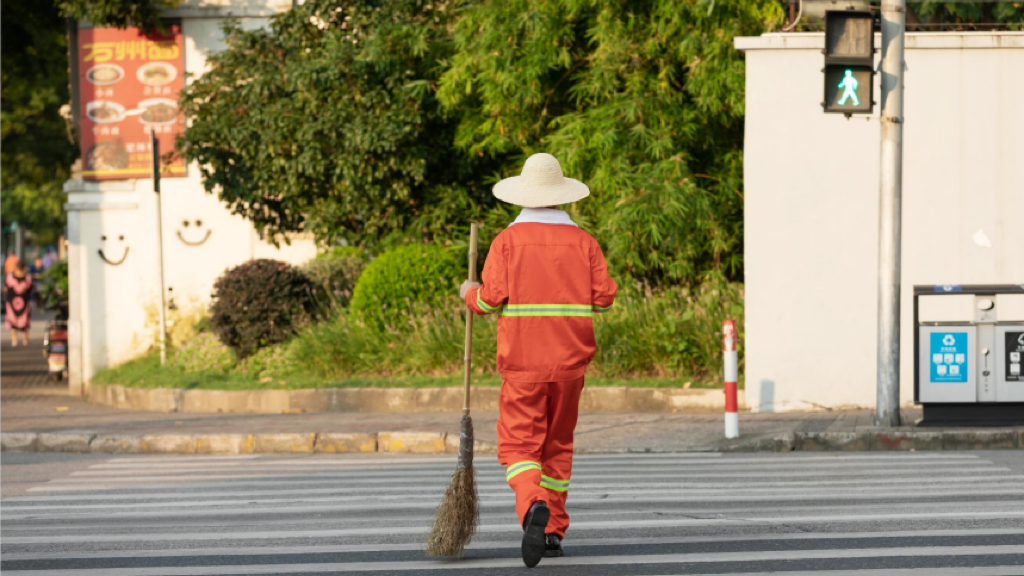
{"type": "Point", "coordinates": [533, 534]}
{"type": "Point", "coordinates": [552, 546]}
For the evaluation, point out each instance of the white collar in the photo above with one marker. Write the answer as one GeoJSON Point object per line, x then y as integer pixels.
{"type": "Point", "coordinates": [543, 216]}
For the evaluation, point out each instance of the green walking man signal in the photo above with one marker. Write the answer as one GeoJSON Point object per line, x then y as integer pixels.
{"type": "Point", "coordinates": [849, 58]}
{"type": "Point", "coordinates": [849, 84]}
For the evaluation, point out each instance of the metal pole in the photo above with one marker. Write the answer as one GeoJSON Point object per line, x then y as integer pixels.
{"type": "Point", "coordinates": [887, 412]}
{"type": "Point", "coordinates": [155, 145]}
{"type": "Point", "coordinates": [19, 241]}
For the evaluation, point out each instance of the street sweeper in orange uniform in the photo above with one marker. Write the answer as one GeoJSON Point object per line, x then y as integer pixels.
{"type": "Point", "coordinates": [546, 279]}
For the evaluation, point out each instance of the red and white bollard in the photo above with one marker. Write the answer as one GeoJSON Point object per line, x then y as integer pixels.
{"type": "Point", "coordinates": [732, 369]}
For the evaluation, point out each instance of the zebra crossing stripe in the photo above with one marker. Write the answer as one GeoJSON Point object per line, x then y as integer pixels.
{"type": "Point", "coordinates": [512, 529]}
{"type": "Point", "coordinates": [443, 465]}
{"type": "Point", "coordinates": [692, 471]}
{"type": "Point", "coordinates": [581, 461]}
{"type": "Point", "coordinates": [478, 564]}
{"type": "Point", "coordinates": [580, 495]}
{"type": "Point", "coordinates": [159, 492]}
{"type": "Point", "coordinates": [512, 544]}
{"type": "Point", "coordinates": [428, 505]}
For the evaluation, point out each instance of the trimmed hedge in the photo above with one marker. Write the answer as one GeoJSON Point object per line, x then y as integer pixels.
{"type": "Point", "coordinates": [407, 281]}
{"type": "Point", "coordinates": [259, 303]}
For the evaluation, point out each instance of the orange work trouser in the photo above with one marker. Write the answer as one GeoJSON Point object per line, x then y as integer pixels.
{"type": "Point", "coordinates": [535, 428]}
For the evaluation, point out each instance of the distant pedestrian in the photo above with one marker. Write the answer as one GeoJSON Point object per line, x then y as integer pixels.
{"type": "Point", "coordinates": [19, 310]}
{"type": "Point", "coordinates": [37, 267]}
{"type": "Point", "coordinates": [11, 262]}
{"type": "Point", "coordinates": [49, 259]}
{"type": "Point", "coordinates": [34, 271]}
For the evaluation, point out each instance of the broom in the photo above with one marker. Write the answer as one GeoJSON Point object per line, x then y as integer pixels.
{"type": "Point", "coordinates": [457, 516]}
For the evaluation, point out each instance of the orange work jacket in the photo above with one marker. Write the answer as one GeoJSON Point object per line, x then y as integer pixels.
{"type": "Point", "coordinates": [546, 282]}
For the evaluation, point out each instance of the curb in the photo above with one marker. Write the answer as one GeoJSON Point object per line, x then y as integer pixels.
{"type": "Point", "coordinates": [448, 443]}
{"type": "Point", "coordinates": [391, 400]}
{"type": "Point", "coordinates": [882, 440]}
{"type": "Point", "coordinates": [292, 443]}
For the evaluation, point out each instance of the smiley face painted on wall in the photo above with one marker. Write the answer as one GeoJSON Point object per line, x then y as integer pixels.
{"type": "Point", "coordinates": [114, 245]}
{"type": "Point", "coordinates": [196, 225]}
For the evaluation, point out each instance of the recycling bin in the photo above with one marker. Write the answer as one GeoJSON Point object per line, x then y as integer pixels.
{"type": "Point", "coordinates": [969, 353]}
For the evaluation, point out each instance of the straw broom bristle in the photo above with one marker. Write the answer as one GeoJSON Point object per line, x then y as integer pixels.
{"type": "Point", "coordinates": [456, 518]}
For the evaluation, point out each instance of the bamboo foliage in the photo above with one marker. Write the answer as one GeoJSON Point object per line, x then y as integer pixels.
{"type": "Point", "coordinates": [643, 100]}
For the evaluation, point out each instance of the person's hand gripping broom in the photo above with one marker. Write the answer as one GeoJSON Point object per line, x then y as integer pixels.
{"type": "Point", "coordinates": [456, 518]}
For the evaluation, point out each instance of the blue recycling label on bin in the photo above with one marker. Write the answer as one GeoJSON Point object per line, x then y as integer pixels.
{"type": "Point", "coordinates": [948, 356]}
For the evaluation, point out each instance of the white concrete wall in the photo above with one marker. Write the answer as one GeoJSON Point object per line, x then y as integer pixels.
{"type": "Point", "coordinates": [811, 208]}
{"type": "Point", "coordinates": [114, 308]}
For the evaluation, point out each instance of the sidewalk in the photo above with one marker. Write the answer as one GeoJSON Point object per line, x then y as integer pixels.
{"type": "Point", "coordinates": [45, 422]}
{"type": "Point", "coordinates": [24, 367]}
{"type": "Point", "coordinates": [37, 415]}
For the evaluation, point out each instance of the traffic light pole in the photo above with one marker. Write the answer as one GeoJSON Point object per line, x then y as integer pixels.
{"type": "Point", "coordinates": [887, 411]}
{"type": "Point", "coordinates": [155, 144]}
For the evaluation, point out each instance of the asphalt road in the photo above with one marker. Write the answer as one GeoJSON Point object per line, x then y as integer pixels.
{"type": "Point", "coordinates": [846, 514]}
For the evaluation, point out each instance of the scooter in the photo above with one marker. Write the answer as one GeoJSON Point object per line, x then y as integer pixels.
{"type": "Point", "coordinates": [55, 346]}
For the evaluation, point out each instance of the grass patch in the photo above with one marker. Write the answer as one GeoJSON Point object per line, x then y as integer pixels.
{"type": "Point", "coordinates": [146, 372]}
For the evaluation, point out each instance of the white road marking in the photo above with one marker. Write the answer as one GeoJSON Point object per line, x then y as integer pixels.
{"type": "Point", "coordinates": [475, 564]}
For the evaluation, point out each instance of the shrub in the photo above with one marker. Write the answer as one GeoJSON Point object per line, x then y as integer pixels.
{"type": "Point", "coordinates": [405, 280]}
{"type": "Point", "coordinates": [259, 303]}
{"type": "Point", "coordinates": [669, 333]}
{"type": "Point", "coordinates": [269, 362]}
{"type": "Point", "coordinates": [334, 274]}
{"type": "Point", "coordinates": [672, 332]}
{"type": "Point", "coordinates": [203, 353]}
{"type": "Point", "coordinates": [53, 288]}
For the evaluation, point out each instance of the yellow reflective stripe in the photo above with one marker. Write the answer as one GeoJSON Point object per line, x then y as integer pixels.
{"type": "Point", "coordinates": [571, 313]}
{"type": "Point", "coordinates": [582, 307]}
{"type": "Point", "coordinates": [553, 480]}
{"type": "Point", "coordinates": [484, 305]}
{"type": "Point", "coordinates": [553, 483]}
{"type": "Point", "coordinates": [602, 309]}
{"type": "Point", "coordinates": [520, 467]}
{"type": "Point", "coordinates": [581, 310]}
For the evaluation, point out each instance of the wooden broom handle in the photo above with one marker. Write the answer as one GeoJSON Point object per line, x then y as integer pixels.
{"type": "Point", "coordinates": [474, 232]}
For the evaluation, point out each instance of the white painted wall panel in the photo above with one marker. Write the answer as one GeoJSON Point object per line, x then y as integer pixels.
{"type": "Point", "coordinates": [811, 207]}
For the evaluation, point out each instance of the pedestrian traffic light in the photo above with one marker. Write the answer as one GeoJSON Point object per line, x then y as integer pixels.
{"type": "Point", "coordinates": [849, 62]}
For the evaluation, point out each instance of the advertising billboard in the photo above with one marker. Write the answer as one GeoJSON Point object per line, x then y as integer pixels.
{"type": "Point", "coordinates": [129, 84]}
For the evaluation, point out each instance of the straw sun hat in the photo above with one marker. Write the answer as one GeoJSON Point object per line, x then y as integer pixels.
{"type": "Point", "coordinates": [541, 184]}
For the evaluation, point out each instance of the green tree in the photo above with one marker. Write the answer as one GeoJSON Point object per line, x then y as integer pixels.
{"type": "Point", "coordinates": [144, 14]}
{"type": "Point", "coordinates": [641, 99]}
{"type": "Point", "coordinates": [36, 148]}
{"type": "Point", "coordinates": [938, 15]}
{"type": "Point", "coordinates": [327, 121]}
{"type": "Point", "coordinates": [37, 144]}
